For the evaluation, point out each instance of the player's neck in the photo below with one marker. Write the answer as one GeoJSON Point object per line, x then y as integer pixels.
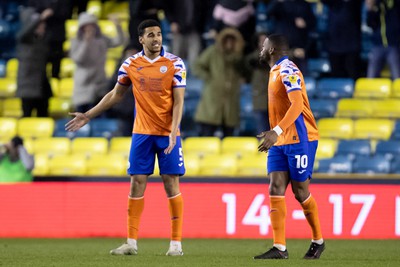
{"type": "Point", "coordinates": [151, 55]}
{"type": "Point", "coordinates": [274, 59]}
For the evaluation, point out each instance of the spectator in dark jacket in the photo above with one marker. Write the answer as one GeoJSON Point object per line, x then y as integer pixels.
{"type": "Point", "coordinates": [344, 37]}
{"type": "Point", "coordinates": [386, 36]}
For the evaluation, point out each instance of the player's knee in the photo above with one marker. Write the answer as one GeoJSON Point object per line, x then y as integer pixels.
{"type": "Point", "coordinates": [276, 190]}
{"type": "Point", "coordinates": [301, 195]}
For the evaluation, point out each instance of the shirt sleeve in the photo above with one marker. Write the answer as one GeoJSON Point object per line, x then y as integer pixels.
{"type": "Point", "coordinates": [179, 74]}
{"type": "Point", "coordinates": [123, 77]}
{"type": "Point", "coordinates": [290, 80]}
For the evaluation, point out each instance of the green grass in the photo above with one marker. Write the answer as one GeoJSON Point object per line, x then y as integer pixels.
{"type": "Point", "coordinates": [198, 252]}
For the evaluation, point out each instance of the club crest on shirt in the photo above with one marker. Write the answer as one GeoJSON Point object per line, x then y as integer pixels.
{"type": "Point", "coordinates": [163, 69]}
{"type": "Point", "coordinates": [292, 79]}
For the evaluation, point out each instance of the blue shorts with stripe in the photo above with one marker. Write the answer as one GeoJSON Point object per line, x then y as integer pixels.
{"type": "Point", "coordinates": [145, 147]}
{"type": "Point", "coordinates": [297, 159]}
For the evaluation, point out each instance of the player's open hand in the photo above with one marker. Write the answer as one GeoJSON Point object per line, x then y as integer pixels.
{"type": "Point", "coordinates": [172, 142]}
{"type": "Point", "coordinates": [268, 139]}
{"type": "Point", "coordinates": [76, 123]}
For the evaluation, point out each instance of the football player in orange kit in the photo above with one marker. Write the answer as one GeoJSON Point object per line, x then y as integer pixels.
{"type": "Point", "coordinates": [158, 81]}
{"type": "Point", "coordinates": [291, 147]}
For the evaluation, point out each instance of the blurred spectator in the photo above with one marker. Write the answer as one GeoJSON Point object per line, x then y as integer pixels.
{"type": "Point", "coordinates": [89, 51]}
{"type": "Point", "coordinates": [56, 29]}
{"type": "Point", "coordinates": [187, 21]}
{"type": "Point", "coordinates": [383, 16]}
{"type": "Point", "coordinates": [16, 163]}
{"type": "Point", "coordinates": [259, 76]}
{"type": "Point", "coordinates": [296, 20]}
{"type": "Point", "coordinates": [220, 67]}
{"type": "Point", "coordinates": [237, 14]}
{"type": "Point", "coordinates": [32, 84]}
{"type": "Point", "coordinates": [124, 110]}
{"type": "Point", "coordinates": [140, 10]}
{"type": "Point", "coordinates": [344, 37]}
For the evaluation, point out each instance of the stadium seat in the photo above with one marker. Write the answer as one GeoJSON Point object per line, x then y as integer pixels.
{"type": "Point", "coordinates": [389, 149]}
{"type": "Point", "coordinates": [218, 165]}
{"type": "Point", "coordinates": [355, 108]}
{"type": "Point", "coordinates": [337, 164]}
{"type": "Point", "coordinates": [59, 107]}
{"type": "Point", "coordinates": [35, 127]}
{"type": "Point", "coordinates": [66, 46]}
{"type": "Point", "coordinates": [388, 108]}
{"type": "Point", "coordinates": [248, 125]}
{"type": "Point", "coordinates": [318, 66]}
{"type": "Point", "coordinates": [2, 68]}
{"type": "Point", "coordinates": [326, 148]}
{"type": "Point", "coordinates": [311, 87]}
{"type": "Point", "coordinates": [108, 28]}
{"type": "Point", "coordinates": [121, 8]}
{"type": "Point", "coordinates": [102, 127]}
{"type": "Point", "coordinates": [12, 107]}
{"type": "Point", "coordinates": [1, 107]}
{"type": "Point", "coordinates": [335, 88]}
{"type": "Point", "coordinates": [192, 164]}
{"type": "Point", "coordinates": [252, 165]}
{"type": "Point", "coordinates": [67, 68]}
{"type": "Point", "coordinates": [59, 130]}
{"type": "Point", "coordinates": [12, 68]}
{"type": "Point", "coordinates": [354, 148]}
{"type": "Point", "coordinates": [202, 145]}
{"type": "Point", "coordinates": [71, 26]}
{"type": "Point", "coordinates": [396, 88]}
{"type": "Point", "coordinates": [94, 8]}
{"type": "Point", "coordinates": [372, 165]}
{"type": "Point", "coordinates": [8, 127]}
{"type": "Point", "coordinates": [55, 86]}
{"type": "Point", "coordinates": [66, 88]}
{"type": "Point", "coordinates": [106, 165]}
{"type": "Point", "coordinates": [373, 129]}
{"type": "Point", "coordinates": [120, 145]}
{"type": "Point", "coordinates": [194, 84]}
{"type": "Point", "coordinates": [68, 165]}
{"type": "Point", "coordinates": [89, 146]}
{"type": "Point", "coordinates": [41, 164]}
{"type": "Point", "coordinates": [110, 67]}
{"type": "Point", "coordinates": [8, 87]}
{"type": "Point", "coordinates": [395, 166]}
{"type": "Point", "coordinates": [373, 88]}
{"type": "Point", "coordinates": [239, 146]}
{"type": "Point", "coordinates": [114, 53]}
{"type": "Point", "coordinates": [396, 131]}
{"type": "Point", "coordinates": [52, 146]}
{"type": "Point", "coordinates": [336, 128]}
{"type": "Point", "coordinates": [323, 108]}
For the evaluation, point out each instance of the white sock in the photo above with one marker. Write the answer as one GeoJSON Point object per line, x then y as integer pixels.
{"type": "Point", "coordinates": [319, 241]}
{"type": "Point", "coordinates": [176, 243]}
{"type": "Point", "coordinates": [132, 242]}
{"type": "Point", "coordinates": [280, 247]}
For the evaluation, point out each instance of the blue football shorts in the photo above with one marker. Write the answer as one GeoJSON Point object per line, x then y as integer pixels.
{"type": "Point", "coordinates": [297, 159]}
{"type": "Point", "coordinates": [145, 147]}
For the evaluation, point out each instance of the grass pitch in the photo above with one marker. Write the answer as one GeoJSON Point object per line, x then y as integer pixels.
{"type": "Point", "coordinates": [198, 252]}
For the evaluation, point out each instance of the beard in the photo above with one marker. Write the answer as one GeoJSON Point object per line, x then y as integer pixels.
{"type": "Point", "coordinates": [264, 59]}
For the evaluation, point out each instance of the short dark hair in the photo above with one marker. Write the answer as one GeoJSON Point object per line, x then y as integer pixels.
{"type": "Point", "coordinates": [279, 41]}
{"type": "Point", "coordinates": [146, 24]}
{"type": "Point", "coordinates": [17, 141]}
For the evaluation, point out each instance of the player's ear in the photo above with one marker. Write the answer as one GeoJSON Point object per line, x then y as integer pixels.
{"type": "Point", "coordinates": [271, 50]}
{"type": "Point", "coordinates": [141, 39]}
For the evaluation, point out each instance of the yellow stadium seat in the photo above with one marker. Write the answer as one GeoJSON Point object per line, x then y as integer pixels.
{"type": "Point", "coordinates": [253, 165]}
{"type": "Point", "coordinates": [110, 67]}
{"type": "Point", "coordinates": [94, 8]}
{"type": "Point", "coordinates": [1, 107]}
{"type": "Point", "coordinates": [12, 107]}
{"type": "Point", "coordinates": [121, 9]}
{"type": "Point", "coordinates": [71, 26]}
{"type": "Point", "coordinates": [59, 107]}
{"type": "Point", "coordinates": [202, 145]}
{"type": "Point", "coordinates": [8, 87]}
{"type": "Point", "coordinates": [12, 68]}
{"type": "Point", "coordinates": [239, 146]}
{"type": "Point", "coordinates": [52, 146]}
{"type": "Point", "coordinates": [108, 28]}
{"type": "Point", "coordinates": [120, 145]}
{"type": "Point", "coordinates": [373, 129]}
{"type": "Point", "coordinates": [41, 164]}
{"type": "Point", "coordinates": [55, 85]}
{"type": "Point", "coordinates": [388, 108]}
{"type": "Point", "coordinates": [69, 165]}
{"type": "Point", "coordinates": [66, 46]}
{"type": "Point", "coordinates": [67, 67]}
{"type": "Point", "coordinates": [35, 127]}
{"type": "Point", "coordinates": [326, 148]}
{"type": "Point", "coordinates": [192, 164]}
{"type": "Point", "coordinates": [66, 88]}
{"type": "Point", "coordinates": [396, 88]}
{"type": "Point", "coordinates": [373, 87]}
{"type": "Point", "coordinates": [337, 128]}
{"type": "Point", "coordinates": [8, 127]}
{"type": "Point", "coordinates": [107, 165]}
{"type": "Point", "coordinates": [218, 165]}
{"type": "Point", "coordinates": [355, 108]}
{"type": "Point", "coordinates": [115, 53]}
{"type": "Point", "coordinates": [90, 145]}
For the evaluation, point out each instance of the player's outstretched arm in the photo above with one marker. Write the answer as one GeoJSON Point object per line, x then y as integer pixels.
{"type": "Point", "coordinates": [109, 100]}
{"type": "Point", "coordinates": [177, 110]}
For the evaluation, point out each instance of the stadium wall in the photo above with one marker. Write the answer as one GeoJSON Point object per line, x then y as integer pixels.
{"type": "Point", "coordinates": [230, 209]}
